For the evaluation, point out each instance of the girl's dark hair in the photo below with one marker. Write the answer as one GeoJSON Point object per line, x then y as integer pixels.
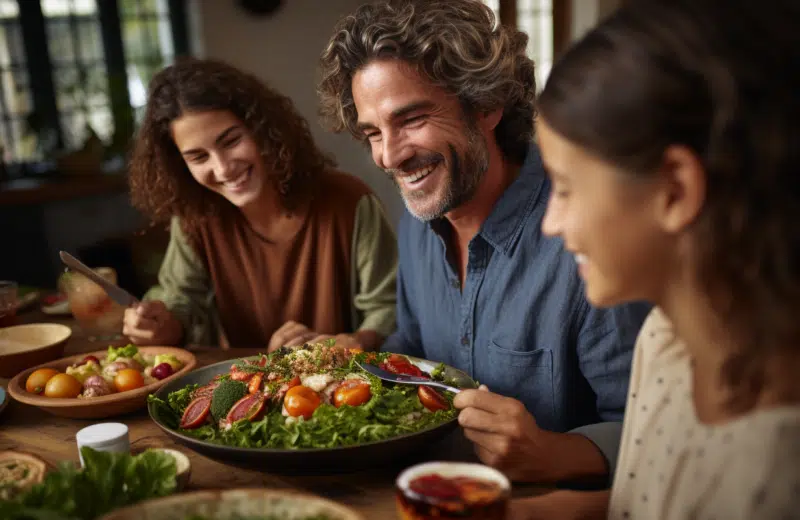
{"type": "Point", "coordinates": [721, 77]}
{"type": "Point", "coordinates": [160, 183]}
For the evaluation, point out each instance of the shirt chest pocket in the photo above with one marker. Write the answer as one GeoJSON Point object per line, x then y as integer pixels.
{"type": "Point", "coordinates": [526, 376]}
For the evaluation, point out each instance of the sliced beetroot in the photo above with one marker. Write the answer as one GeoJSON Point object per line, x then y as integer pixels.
{"type": "Point", "coordinates": [250, 407]}
{"type": "Point", "coordinates": [205, 391]}
{"type": "Point", "coordinates": [196, 413]}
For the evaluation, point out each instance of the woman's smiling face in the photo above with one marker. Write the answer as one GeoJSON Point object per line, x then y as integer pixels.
{"type": "Point", "coordinates": [221, 154]}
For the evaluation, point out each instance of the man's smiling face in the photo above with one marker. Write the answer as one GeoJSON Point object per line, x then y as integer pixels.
{"type": "Point", "coordinates": [419, 134]}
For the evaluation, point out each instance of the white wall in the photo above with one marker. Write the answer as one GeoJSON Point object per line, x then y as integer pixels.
{"type": "Point", "coordinates": [284, 49]}
{"type": "Point", "coordinates": [586, 14]}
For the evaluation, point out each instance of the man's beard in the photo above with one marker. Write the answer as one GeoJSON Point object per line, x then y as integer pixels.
{"type": "Point", "coordinates": [465, 176]}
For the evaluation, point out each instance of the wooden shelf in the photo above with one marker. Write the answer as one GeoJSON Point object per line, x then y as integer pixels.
{"type": "Point", "coordinates": [39, 191]}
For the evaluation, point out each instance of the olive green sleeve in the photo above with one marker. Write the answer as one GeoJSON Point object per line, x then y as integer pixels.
{"type": "Point", "coordinates": [185, 288]}
{"type": "Point", "coordinates": [374, 270]}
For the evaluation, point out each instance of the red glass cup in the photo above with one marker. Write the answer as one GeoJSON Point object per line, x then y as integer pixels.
{"type": "Point", "coordinates": [452, 490]}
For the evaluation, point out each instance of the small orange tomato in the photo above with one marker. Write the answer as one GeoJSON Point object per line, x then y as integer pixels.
{"type": "Point", "coordinates": [301, 401]}
{"type": "Point", "coordinates": [38, 379]}
{"type": "Point", "coordinates": [128, 379]}
{"type": "Point", "coordinates": [63, 386]}
{"type": "Point", "coordinates": [431, 399]}
{"type": "Point", "coordinates": [255, 384]}
{"type": "Point", "coordinates": [352, 392]}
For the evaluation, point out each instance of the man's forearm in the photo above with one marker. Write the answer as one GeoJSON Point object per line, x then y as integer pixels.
{"type": "Point", "coordinates": [562, 505]}
{"type": "Point", "coordinates": [574, 458]}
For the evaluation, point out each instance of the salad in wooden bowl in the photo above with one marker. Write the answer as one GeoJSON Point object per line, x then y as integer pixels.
{"type": "Point", "coordinates": [100, 384]}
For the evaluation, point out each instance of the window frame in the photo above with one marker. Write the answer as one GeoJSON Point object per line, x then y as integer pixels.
{"type": "Point", "coordinates": [39, 65]}
{"type": "Point", "coordinates": [562, 11]}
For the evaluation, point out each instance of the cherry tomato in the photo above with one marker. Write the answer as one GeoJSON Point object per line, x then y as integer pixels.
{"type": "Point", "coordinates": [128, 379]}
{"type": "Point", "coordinates": [352, 392]}
{"type": "Point", "coordinates": [89, 358]}
{"type": "Point", "coordinates": [255, 384]}
{"type": "Point", "coordinates": [431, 399]}
{"type": "Point", "coordinates": [63, 386]}
{"type": "Point", "coordinates": [400, 365]}
{"type": "Point", "coordinates": [397, 358]}
{"type": "Point", "coordinates": [301, 401]}
{"type": "Point", "coordinates": [38, 379]}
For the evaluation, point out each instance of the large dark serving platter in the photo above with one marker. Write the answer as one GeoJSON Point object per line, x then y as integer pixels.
{"type": "Point", "coordinates": [317, 460]}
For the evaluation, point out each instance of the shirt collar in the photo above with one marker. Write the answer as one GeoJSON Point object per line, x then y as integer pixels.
{"type": "Point", "coordinates": [505, 223]}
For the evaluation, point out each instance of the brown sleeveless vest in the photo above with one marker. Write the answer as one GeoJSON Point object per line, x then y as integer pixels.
{"type": "Point", "coordinates": [259, 285]}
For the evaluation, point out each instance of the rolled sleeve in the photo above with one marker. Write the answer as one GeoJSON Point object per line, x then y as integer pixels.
{"type": "Point", "coordinates": [375, 266]}
{"type": "Point", "coordinates": [184, 287]}
{"type": "Point", "coordinates": [606, 436]}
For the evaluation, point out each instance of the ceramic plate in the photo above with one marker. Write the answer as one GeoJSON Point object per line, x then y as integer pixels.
{"type": "Point", "coordinates": [310, 460]}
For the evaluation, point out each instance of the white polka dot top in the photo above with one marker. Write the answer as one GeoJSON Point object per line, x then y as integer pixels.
{"type": "Point", "coordinates": [673, 467]}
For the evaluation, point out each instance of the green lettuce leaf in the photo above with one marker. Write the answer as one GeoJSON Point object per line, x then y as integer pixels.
{"type": "Point", "coordinates": [391, 412]}
{"type": "Point", "coordinates": [107, 482]}
{"type": "Point", "coordinates": [128, 351]}
{"type": "Point", "coordinates": [180, 399]}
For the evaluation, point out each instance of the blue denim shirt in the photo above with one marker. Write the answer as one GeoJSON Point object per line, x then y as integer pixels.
{"type": "Point", "coordinates": [520, 324]}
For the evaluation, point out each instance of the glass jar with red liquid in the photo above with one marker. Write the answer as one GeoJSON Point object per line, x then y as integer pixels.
{"type": "Point", "coordinates": [452, 490]}
{"type": "Point", "coordinates": [97, 314]}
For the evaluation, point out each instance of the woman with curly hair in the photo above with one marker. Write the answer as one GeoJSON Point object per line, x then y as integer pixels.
{"type": "Point", "coordinates": [269, 244]}
{"type": "Point", "coordinates": [673, 144]}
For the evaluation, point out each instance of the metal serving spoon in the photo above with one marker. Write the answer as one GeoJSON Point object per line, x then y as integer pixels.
{"type": "Point", "coordinates": [405, 379]}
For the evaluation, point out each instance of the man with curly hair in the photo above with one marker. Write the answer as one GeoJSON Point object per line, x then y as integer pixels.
{"type": "Point", "coordinates": [444, 99]}
{"type": "Point", "coordinates": [269, 245]}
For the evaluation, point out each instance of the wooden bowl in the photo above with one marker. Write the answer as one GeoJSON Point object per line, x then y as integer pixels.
{"type": "Point", "coordinates": [247, 503]}
{"type": "Point", "coordinates": [97, 407]}
{"type": "Point", "coordinates": [24, 346]}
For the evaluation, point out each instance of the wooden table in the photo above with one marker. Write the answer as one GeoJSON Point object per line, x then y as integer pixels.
{"type": "Point", "coordinates": [371, 492]}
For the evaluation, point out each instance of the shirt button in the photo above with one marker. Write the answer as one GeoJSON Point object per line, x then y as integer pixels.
{"type": "Point", "coordinates": [464, 340]}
